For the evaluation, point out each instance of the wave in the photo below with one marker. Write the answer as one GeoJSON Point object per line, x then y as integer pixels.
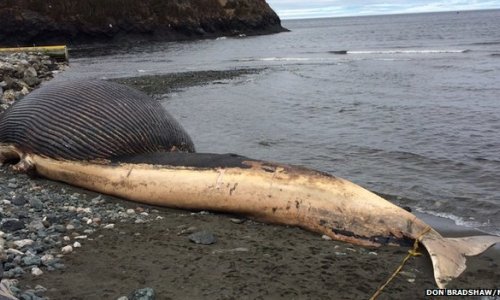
{"type": "Point", "coordinates": [400, 51]}
{"type": "Point", "coordinates": [285, 59]}
{"type": "Point", "coordinates": [248, 59]}
{"type": "Point", "coordinates": [461, 222]}
{"type": "Point", "coordinates": [486, 43]}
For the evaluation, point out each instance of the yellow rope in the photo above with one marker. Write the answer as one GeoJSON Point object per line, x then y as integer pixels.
{"type": "Point", "coordinates": [411, 252]}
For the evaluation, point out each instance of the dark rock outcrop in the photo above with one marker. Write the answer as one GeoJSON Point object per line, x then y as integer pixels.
{"type": "Point", "coordinates": [43, 22]}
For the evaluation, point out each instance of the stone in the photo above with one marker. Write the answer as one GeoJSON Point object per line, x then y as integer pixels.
{"type": "Point", "coordinates": [142, 294]}
{"type": "Point", "coordinates": [39, 289]}
{"type": "Point", "coordinates": [32, 260]}
{"type": "Point", "coordinates": [59, 228]}
{"type": "Point", "coordinates": [86, 210]}
{"type": "Point", "coordinates": [12, 225]}
{"type": "Point", "coordinates": [23, 243]}
{"type": "Point", "coordinates": [47, 259]}
{"type": "Point", "coordinates": [9, 96]}
{"type": "Point", "coordinates": [36, 204]}
{"type": "Point", "coordinates": [19, 200]}
{"type": "Point", "coordinates": [67, 249]}
{"type": "Point", "coordinates": [237, 220]}
{"type": "Point", "coordinates": [203, 238]}
{"type": "Point", "coordinates": [30, 71]}
{"type": "Point", "coordinates": [25, 91]}
{"type": "Point", "coordinates": [326, 238]}
{"type": "Point", "coordinates": [12, 185]}
{"type": "Point", "coordinates": [14, 251]}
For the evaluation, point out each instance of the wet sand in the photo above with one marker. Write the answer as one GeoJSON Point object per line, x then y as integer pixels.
{"type": "Point", "coordinates": [250, 260]}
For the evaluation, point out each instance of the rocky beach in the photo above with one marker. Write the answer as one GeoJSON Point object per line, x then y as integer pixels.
{"type": "Point", "coordinates": [62, 242]}
{"type": "Point", "coordinates": [22, 72]}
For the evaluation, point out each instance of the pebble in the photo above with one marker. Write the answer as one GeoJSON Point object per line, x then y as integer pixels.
{"type": "Point", "coordinates": [237, 220]}
{"type": "Point", "coordinates": [67, 249]}
{"type": "Point", "coordinates": [59, 228]}
{"type": "Point", "coordinates": [36, 204]}
{"type": "Point", "coordinates": [86, 210]}
{"type": "Point", "coordinates": [142, 294]}
{"type": "Point", "coordinates": [36, 225]}
{"type": "Point", "coordinates": [203, 238]}
{"type": "Point", "coordinates": [109, 226]}
{"type": "Point", "coordinates": [19, 200]}
{"type": "Point", "coordinates": [47, 259]}
{"type": "Point", "coordinates": [77, 245]}
{"type": "Point", "coordinates": [12, 185]}
{"type": "Point", "coordinates": [32, 260]}
{"type": "Point", "coordinates": [130, 211]}
{"type": "Point", "coordinates": [23, 243]}
{"type": "Point", "coordinates": [326, 238]}
{"type": "Point", "coordinates": [12, 225]}
{"type": "Point", "coordinates": [14, 251]}
{"type": "Point", "coordinates": [36, 271]}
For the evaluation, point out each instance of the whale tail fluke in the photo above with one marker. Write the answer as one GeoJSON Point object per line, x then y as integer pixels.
{"type": "Point", "coordinates": [448, 255]}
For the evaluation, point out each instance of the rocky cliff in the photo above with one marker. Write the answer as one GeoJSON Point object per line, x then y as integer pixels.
{"type": "Point", "coordinates": [43, 22]}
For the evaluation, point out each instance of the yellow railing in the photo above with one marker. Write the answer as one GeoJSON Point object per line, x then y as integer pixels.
{"type": "Point", "coordinates": [57, 52]}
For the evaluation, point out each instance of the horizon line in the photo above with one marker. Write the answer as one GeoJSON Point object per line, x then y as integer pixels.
{"type": "Point", "coordinates": [387, 14]}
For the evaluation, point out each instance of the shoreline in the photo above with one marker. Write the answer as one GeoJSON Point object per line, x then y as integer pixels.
{"type": "Point", "coordinates": [149, 246]}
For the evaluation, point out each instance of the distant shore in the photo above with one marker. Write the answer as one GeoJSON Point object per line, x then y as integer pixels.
{"type": "Point", "coordinates": [77, 22]}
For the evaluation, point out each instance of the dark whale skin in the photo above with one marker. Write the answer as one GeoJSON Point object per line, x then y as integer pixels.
{"type": "Point", "coordinates": [91, 119]}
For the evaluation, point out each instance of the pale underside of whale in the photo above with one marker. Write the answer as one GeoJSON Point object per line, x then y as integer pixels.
{"type": "Point", "coordinates": [129, 158]}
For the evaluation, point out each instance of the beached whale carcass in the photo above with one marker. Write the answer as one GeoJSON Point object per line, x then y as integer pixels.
{"type": "Point", "coordinates": [112, 139]}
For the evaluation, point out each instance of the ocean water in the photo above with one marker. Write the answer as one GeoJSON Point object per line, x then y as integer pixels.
{"type": "Point", "coordinates": [404, 105]}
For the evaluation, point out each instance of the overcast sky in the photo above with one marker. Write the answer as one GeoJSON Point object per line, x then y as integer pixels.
{"type": "Point", "coordinates": [294, 9]}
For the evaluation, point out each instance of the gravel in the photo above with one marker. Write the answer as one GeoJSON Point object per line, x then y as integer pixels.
{"type": "Point", "coordinates": [42, 221]}
{"type": "Point", "coordinates": [20, 73]}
